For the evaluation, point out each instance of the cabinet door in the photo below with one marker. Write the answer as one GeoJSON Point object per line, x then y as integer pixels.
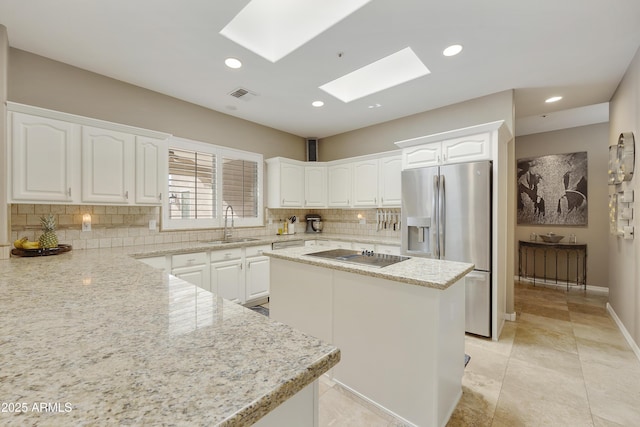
{"type": "Point", "coordinates": [467, 149]}
{"type": "Point", "coordinates": [226, 280]}
{"type": "Point", "coordinates": [422, 156]}
{"type": "Point", "coordinates": [365, 183]}
{"type": "Point", "coordinates": [257, 278]}
{"type": "Point", "coordinates": [195, 275]}
{"type": "Point", "coordinates": [339, 182]}
{"type": "Point", "coordinates": [389, 183]}
{"type": "Point", "coordinates": [291, 185]}
{"type": "Point", "coordinates": [151, 160]}
{"type": "Point", "coordinates": [43, 158]}
{"type": "Point", "coordinates": [315, 186]}
{"type": "Point", "coordinates": [107, 165]}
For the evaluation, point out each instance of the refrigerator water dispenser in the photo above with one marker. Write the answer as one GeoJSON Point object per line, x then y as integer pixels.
{"type": "Point", "coordinates": [419, 235]}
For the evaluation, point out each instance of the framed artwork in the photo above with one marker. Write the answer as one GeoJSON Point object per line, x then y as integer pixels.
{"type": "Point", "coordinates": [552, 190]}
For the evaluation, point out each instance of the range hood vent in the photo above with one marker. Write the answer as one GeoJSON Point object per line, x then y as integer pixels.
{"type": "Point", "coordinates": [244, 94]}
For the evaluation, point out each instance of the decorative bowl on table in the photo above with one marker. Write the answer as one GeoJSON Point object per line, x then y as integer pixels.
{"type": "Point", "coordinates": [551, 238]}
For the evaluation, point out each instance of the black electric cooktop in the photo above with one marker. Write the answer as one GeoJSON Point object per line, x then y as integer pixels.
{"type": "Point", "coordinates": [368, 258]}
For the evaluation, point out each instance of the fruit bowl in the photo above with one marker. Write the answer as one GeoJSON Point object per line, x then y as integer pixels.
{"type": "Point", "coordinates": [40, 251]}
{"type": "Point", "coordinates": [551, 238]}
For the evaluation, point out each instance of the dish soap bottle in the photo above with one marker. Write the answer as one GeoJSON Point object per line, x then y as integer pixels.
{"type": "Point", "coordinates": [284, 228]}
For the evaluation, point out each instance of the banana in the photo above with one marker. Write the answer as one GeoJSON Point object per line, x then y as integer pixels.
{"type": "Point", "coordinates": [30, 245]}
{"type": "Point", "coordinates": [20, 242]}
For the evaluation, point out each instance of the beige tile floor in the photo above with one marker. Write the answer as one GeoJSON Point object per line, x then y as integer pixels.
{"type": "Point", "coordinates": [562, 363]}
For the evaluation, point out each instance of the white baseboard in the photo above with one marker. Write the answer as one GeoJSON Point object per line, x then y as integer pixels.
{"type": "Point", "coordinates": [624, 331]}
{"type": "Point", "coordinates": [553, 284]}
{"type": "Point", "coordinates": [510, 316]}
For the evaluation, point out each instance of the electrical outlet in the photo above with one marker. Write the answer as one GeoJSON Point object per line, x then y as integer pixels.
{"type": "Point", "coordinates": [152, 224]}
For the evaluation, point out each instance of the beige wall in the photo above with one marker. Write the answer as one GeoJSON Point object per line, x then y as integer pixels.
{"type": "Point", "coordinates": [381, 137]}
{"type": "Point", "coordinates": [624, 266]}
{"type": "Point", "coordinates": [592, 139]}
{"type": "Point", "coordinates": [38, 81]}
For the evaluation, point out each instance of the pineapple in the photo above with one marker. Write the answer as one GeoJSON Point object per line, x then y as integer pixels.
{"type": "Point", "coordinates": [48, 238]}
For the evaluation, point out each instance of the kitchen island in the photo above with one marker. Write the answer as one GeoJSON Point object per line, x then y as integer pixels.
{"type": "Point", "coordinates": [95, 337]}
{"type": "Point", "coordinates": [400, 328]}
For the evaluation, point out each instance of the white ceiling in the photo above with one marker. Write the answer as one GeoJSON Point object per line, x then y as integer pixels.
{"type": "Point", "coordinates": [579, 49]}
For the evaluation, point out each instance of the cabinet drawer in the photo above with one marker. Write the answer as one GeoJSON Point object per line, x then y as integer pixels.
{"type": "Point", "coordinates": [256, 250]}
{"type": "Point", "coordinates": [224, 255]}
{"type": "Point", "coordinates": [186, 260]}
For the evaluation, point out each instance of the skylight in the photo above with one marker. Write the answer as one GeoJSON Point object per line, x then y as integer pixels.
{"type": "Point", "coordinates": [275, 28]}
{"type": "Point", "coordinates": [395, 69]}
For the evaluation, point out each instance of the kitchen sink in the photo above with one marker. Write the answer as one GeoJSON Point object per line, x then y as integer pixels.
{"type": "Point", "coordinates": [235, 240]}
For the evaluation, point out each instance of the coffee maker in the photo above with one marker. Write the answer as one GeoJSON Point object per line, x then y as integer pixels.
{"type": "Point", "coordinates": [314, 223]}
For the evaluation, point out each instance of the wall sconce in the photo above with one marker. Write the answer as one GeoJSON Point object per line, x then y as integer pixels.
{"type": "Point", "coordinates": [86, 222]}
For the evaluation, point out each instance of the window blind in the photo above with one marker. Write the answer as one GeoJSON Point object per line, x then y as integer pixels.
{"type": "Point", "coordinates": [192, 184]}
{"type": "Point", "coordinates": [240, 186]}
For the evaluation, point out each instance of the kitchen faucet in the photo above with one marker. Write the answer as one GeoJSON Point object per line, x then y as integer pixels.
{"type": "Point", "coordinates": [227, 234]}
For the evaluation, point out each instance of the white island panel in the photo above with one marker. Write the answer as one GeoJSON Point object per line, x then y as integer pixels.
{"type": "Point", "coordinates": [402, 343]}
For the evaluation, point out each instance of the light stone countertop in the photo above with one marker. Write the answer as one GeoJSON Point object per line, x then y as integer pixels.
{"type": "Point", "coordinates": [107, 340]}
{"type": "Point", "coordinates": [426, 272]}
{"type": "Point", "coordinates": [146, 251]}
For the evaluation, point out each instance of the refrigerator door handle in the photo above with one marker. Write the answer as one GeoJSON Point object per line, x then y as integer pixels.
{"type": "Point", "coordinates": [441, 216]}
{"type": "Point", "coordinates": [434, 217]}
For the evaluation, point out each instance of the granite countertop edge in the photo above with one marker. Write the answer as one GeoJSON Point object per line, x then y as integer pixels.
{"type": "Point", "coordinates": [261, 407]}
{"type": "Point", "coordinates": [415, 271]}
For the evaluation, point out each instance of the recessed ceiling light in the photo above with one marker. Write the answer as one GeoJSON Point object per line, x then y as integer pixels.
{"type": "Point", "coordinates": [233, 63]}
{"type": "Point", "coordinates": [275, 28]}
{"type": "Point", "coordinates": [452, 50]}
{"type": "Point", "coordinates": [395, 69]}
{"type": "Point", "coordinates": [317, 103]}
{"type": "Point", "coordinates": [553, 99]}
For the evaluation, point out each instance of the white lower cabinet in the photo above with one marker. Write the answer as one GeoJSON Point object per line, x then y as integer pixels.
{"type": "Point", "coordinates": [226, 279]}
{"type": "Point", "coordinates": [191, 268]}
{"type": "Point", "coordinates": [257, 278]}
{"type": "Point", "coordinates": [256, 273]}
{"type": "Point", "coordinates": [227, 274]}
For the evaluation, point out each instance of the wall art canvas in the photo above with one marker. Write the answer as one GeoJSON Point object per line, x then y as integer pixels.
{"type": "Point", "coordinates": [552, 190]}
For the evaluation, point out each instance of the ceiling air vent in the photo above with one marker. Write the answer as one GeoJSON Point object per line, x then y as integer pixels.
{"type": "Point", "coordinates": [244, 94]}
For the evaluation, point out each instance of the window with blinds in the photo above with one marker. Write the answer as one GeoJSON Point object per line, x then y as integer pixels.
{"type": "Point", "coordinates": [192, 184]}
{"type": "Point", "coordinates": [240, 187]}
{"type": "Point", "coordinates": [204, 179]}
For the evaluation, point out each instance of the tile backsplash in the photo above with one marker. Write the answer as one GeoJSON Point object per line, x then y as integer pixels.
{"type": "Point", "coordinates": [116, 226]}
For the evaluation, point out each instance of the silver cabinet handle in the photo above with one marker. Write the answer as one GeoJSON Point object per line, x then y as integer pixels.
{"type": "Point", "coordinates": [126, 195]}
{"type": "Point", "coordinates": [69, 191]}
{"type": "Point", "coordinates": [240, 266]}
{"type": "Point", "coordinates": [159, 196]}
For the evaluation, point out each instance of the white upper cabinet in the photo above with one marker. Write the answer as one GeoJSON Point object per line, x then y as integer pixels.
{"type": "Point", "coordinates": [63, 158]}
{"type": "Point", "coordinates": [151, 161]}
{"type": "Point", "coordinates": [422, 156]}
{"type": "Point", "coordinates": [424, 151]}
{"type": "Point", "coordinates": [315, 186]}
{"type": "Point", "coordinates": [365, 183]}
{"type": "Point", "coordinates": [285, 180]}
{"type": "Point", "coordinates": [467, 149]}
{"type": "Point", "coordinates": [43, 159]}
{"type": "Point", "coordinates": [107, 165]}
{"type": "Point", "coordinates": [389, 181]}
{"type": "Point", "coordinates": [339, 185]}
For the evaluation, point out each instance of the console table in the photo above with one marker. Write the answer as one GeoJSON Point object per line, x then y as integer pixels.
{"type": "Point", "coordinates": [568, 252]}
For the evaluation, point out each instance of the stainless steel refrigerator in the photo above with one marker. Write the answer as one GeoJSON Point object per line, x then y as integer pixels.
{"type": "Point", "coordinates": [446, 214]}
